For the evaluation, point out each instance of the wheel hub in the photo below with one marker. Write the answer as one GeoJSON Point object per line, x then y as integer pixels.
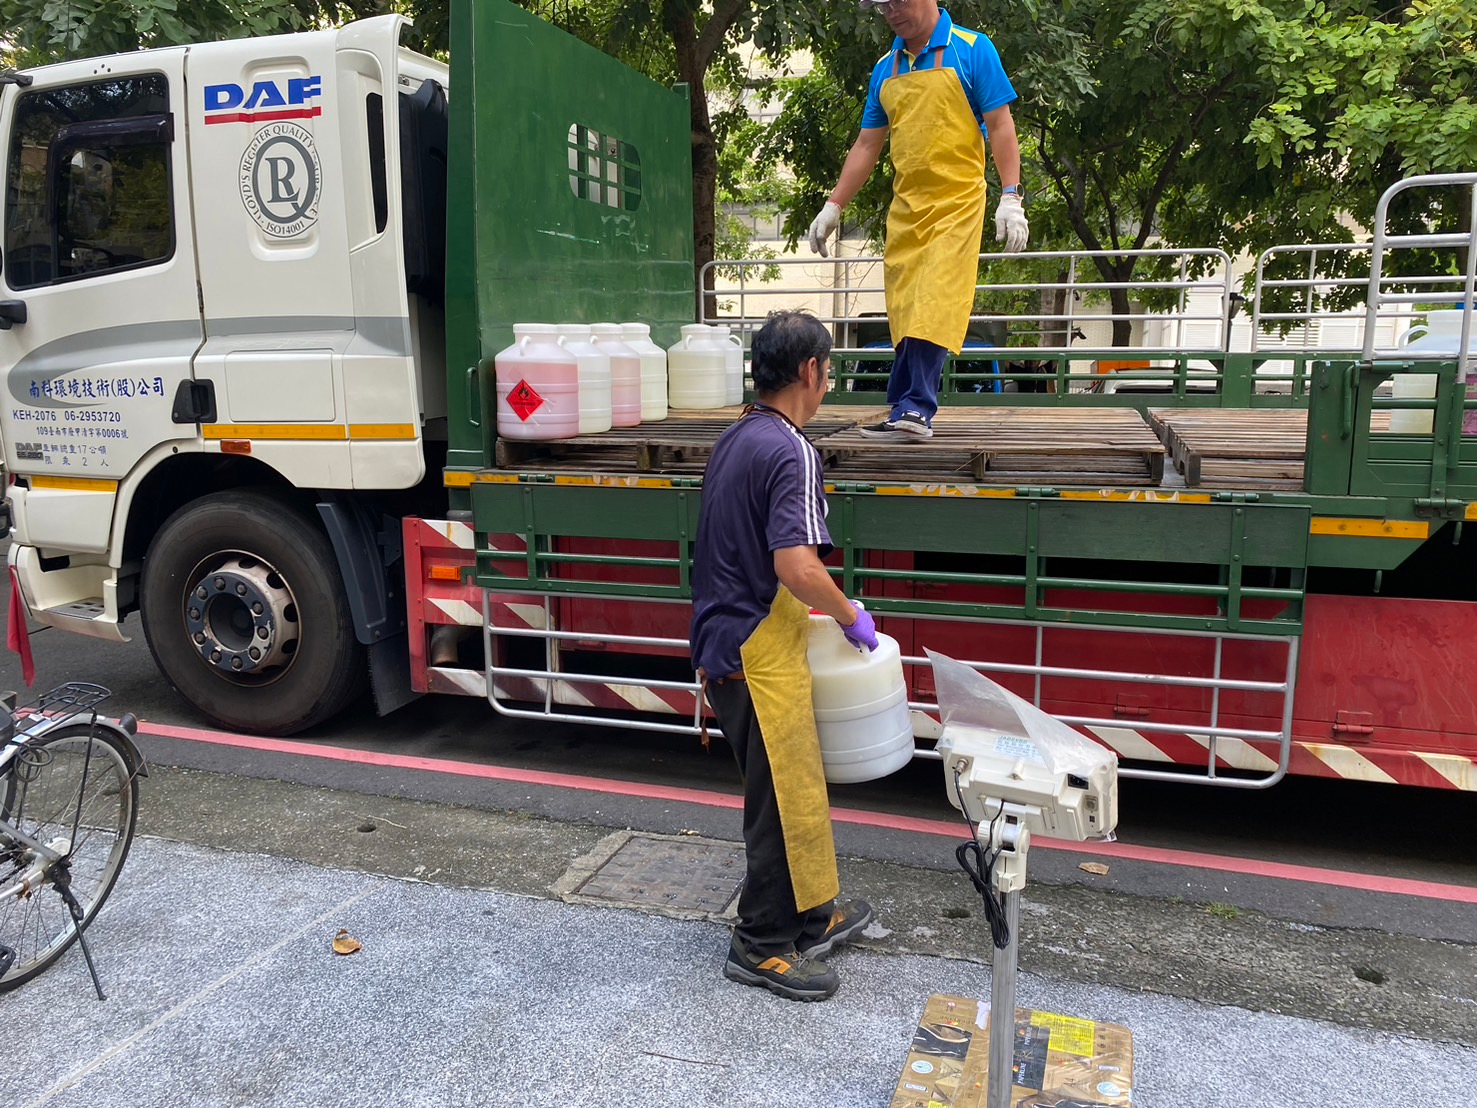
{"type": "Point", "coordinates": [242, 617]}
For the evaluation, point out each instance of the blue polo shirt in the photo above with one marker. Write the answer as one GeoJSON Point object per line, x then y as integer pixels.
{"type": "Point", "coordinates": [763, 491]}
{"type": "Point", "coordinates": [968, 53]}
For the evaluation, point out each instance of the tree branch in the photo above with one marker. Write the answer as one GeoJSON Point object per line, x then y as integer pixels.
{"type": "Point", "coordinates": [716, 29]}
{"type": "Point", "coordinates": [1073, 194]}
{"type": "Point", "coordinates": [1172, 160]}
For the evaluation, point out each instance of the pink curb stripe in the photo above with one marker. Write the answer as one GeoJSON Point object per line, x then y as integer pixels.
{"type": "Point", "coordinates": [955, 829]}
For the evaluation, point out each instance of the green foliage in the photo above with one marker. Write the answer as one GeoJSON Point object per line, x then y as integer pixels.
{"type": "Point", "coordinates": [53, 30]}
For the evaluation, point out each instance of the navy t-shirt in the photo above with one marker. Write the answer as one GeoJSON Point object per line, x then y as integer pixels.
{"type": "Point", "coordinates": [762, 491]}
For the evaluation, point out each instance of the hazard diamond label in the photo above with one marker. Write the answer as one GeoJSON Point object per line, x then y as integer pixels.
{"type": "Point", "coordinates": [524, 401]}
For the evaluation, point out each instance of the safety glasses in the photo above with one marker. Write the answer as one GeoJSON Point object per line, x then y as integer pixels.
{"type": "Point", "coordinates": [883, 5]}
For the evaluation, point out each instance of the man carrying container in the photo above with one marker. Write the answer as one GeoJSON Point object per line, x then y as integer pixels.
{"type": "Point", "coordinates": [757, 572]}
{"type": "Point", "coordinates": [939, 93]}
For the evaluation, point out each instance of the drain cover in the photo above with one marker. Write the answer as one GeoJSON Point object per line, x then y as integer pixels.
{"type": "Point", "coordinates": [675, 874]}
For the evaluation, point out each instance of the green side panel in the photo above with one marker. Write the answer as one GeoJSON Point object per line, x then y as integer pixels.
{"type": "Point", "coordinates": [570, 198]}
{"type": "Point", "coordinates": [1044, 539]}
{"type": "Point", "coordinates": [1191, 534]}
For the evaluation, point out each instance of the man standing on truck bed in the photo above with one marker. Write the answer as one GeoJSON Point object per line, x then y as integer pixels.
{"type": "Point", "coordinates": [939, 92]}
{"type": "Point", "coordinates": [756, 571]}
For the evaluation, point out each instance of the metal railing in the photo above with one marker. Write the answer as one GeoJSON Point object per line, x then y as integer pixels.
{"type": "Point", "coordinates": [1410, 290]}
{"type": "Point", "coordinates": [849, 282]}
{"type": "Point", "coordinates": [554, 688]}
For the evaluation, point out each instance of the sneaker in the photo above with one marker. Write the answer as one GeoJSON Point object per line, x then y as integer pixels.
{"type": "Point", "coordinates": [884, 430]}
{"type": "Point", "coordinates": [913, 424]}
{"type": "Point", "coordinates": [792, 975]}
{"type": "Point", "coordinates": [847, 922]}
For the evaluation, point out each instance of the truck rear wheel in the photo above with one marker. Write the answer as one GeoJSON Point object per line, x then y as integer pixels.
{"type": "Point", "coordinates": [244, 609]}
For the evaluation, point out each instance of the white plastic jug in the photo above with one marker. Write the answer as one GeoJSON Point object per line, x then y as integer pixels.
{"type": "Point", "coordinates": [697, 370]}
{"type": "Point", "coordinates": [537, 386]}
{"type": "Point", "coordinates": [1441, 333]}
{"type": "Point", "coordinates": [653, 370]}
{"type": "Point", "coordinates": [733, 364]}
{"type": "Point", "coordinates": [594, 372]}
{"type": "Point", "coordinates": [861, 705]}
{"type": "Point", "coordinates": [625, 374]}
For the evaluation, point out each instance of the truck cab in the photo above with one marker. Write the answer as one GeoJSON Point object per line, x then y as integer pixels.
{"type": "Point", "coordinates": [222, 269]}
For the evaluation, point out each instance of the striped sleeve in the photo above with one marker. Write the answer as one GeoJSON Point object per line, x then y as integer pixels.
{"type": "Point", "coordinates": [796, 499]}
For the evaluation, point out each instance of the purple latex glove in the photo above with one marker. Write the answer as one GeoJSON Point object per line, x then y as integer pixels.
{"type": "Point", "coordinates": [863, 633]}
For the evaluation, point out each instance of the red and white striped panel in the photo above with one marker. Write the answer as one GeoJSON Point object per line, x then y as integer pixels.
{"type": "Point", "coordinates": [609, 697]}
{"type": "Point", "coordinates": [448, 547]}
{"type": "Point", "coordinates": [438, 602]}
{"type": "Point", "coordinates": [1306, 758]}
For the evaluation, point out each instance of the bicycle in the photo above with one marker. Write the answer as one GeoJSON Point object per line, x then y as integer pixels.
{"type": "Point", "coordinates": [68, 806]}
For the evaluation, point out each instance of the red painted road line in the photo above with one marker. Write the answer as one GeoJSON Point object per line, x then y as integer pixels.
{"type": "Point", "coordinates": [955, 829]}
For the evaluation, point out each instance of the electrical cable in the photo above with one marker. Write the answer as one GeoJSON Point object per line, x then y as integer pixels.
{"type": "Point", "coordinates": [979, 865]}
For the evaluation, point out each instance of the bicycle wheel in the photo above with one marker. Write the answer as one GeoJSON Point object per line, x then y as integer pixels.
{"type": "Point", "coordinates": [78, 790]}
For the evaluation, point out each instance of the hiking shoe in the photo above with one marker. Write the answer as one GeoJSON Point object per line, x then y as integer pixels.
{"type": "Point", "coordinates": [847, 922]}
{"type": "Point", "coordinates": [792, 975]}
{"type": "Point", "coordinates": [914, 425]}
{"type": "Point", "coordinates": [887, 429]}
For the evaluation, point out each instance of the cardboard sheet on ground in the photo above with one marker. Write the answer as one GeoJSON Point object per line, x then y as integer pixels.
{"type": "Point", "coordinates": [1060, 1061]}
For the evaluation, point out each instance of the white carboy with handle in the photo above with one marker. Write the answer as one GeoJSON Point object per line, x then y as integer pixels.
{"type": "Point", "coordinates": [861, 704]}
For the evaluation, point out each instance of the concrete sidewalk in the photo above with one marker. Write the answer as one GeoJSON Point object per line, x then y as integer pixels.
{"type": "Point", "coordinates": [224, 991]}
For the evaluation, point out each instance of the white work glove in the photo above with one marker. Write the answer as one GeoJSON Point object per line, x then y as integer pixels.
{"type": "Point", "coordinates": [1011, 227]}
{"type": "Point", "coordinates": [822, 226]}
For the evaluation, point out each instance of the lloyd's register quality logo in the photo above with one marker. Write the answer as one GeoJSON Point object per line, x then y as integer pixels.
{"type": "Point", "coordinates": [281, 179]}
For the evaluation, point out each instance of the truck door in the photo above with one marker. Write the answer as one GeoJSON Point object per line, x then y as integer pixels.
{"type": "Point", "coordinates": [99, 314]}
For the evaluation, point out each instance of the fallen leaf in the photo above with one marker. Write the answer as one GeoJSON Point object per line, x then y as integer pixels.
{"type": "Point", "coordinates": [1093, 867]}
{"type": "Point", "coordinates": [344, 943]}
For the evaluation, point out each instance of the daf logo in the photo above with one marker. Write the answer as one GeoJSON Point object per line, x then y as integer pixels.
{"type": "Point", "coordinates": [281, 180]}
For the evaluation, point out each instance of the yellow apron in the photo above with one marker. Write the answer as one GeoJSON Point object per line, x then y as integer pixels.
{"type": "Point", "coordinates": [931, 263]}
{"type": "Point", "coordinates": [778, 673]}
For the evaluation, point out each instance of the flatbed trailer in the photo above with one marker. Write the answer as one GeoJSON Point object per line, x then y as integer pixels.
{"type": "Point", "coordinates": [1227, 568]}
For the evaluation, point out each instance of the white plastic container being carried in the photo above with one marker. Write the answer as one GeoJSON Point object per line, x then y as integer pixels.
{"type": "Point", "coordinates": [733, 362]}
{"type": "Point", "coordinates": [625, 374]}
{"type": "Point", "coordinates": [697, 370]}
{"type": "Point", "coordinates": [653, 371]}
{"type": "Point", "coordinates": [538, 390]}
{"type": "Point", "coordinates": [861, 705]}
{"type": "Point", "coordinates": [594, 371]}
{"type": "Point", "coordinates": [1440, 334]}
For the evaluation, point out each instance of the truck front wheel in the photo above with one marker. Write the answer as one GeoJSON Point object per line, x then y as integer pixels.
{"type": "Point", "coordinates": [244, 609]}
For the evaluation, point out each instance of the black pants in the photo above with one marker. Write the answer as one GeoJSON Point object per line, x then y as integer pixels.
{"type": "Point", "coordinates": [768, 922]}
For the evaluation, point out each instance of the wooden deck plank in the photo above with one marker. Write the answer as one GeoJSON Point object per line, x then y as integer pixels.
{"type": "Point", "coordinates": [986, 445]}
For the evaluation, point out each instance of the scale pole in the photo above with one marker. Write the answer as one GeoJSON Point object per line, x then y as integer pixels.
{"type": "Point", "coordinates": [1002, 1007]}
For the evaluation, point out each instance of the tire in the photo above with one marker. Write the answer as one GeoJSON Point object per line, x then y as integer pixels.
{"type": "Point", "coordinates": [74, 760]}
{"type": "Point", "coordinates": [245, 612]}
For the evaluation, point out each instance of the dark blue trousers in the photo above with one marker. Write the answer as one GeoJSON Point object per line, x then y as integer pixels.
{"type": "Point", "coordinates": [917, 371]}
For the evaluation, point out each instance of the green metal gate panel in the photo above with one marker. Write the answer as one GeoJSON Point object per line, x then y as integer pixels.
{"type": "Point", "coordinates": [1439, 465]}
{"type": "Point", "coordinates": [570, 199]}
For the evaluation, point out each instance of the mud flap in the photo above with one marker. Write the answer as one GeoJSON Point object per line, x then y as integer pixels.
{"type": "Point", "coordinates": [389, 674]}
